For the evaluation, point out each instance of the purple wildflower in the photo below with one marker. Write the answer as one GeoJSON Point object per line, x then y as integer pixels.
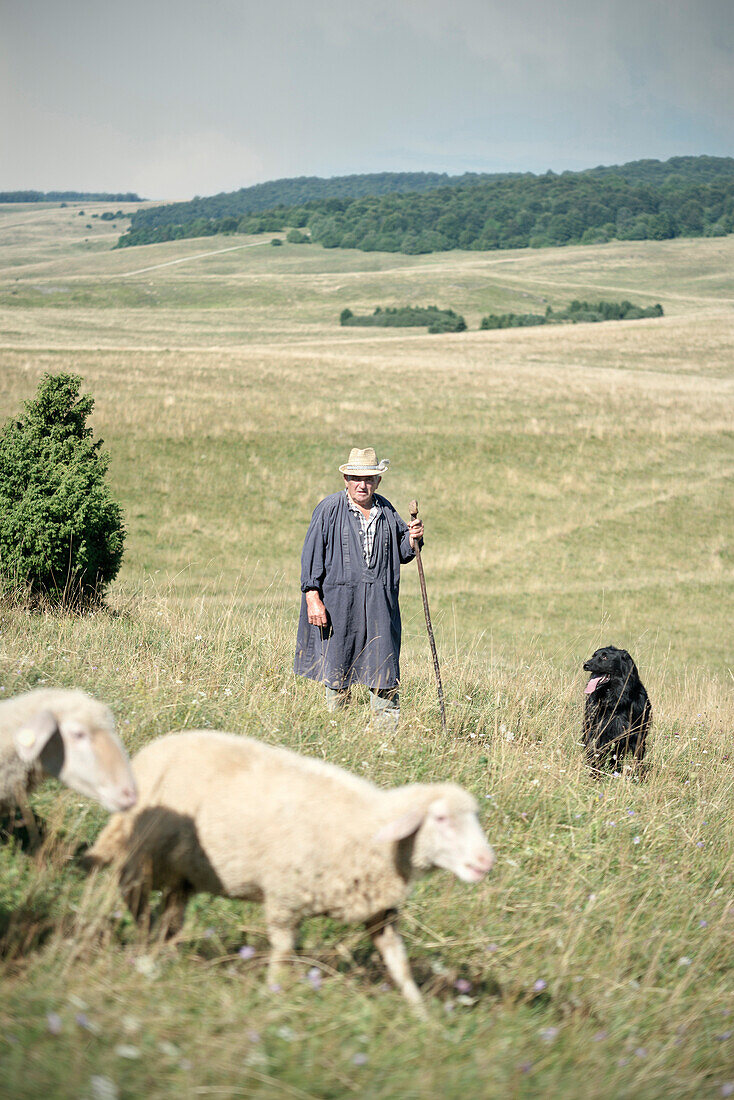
{"type": "Point", "coordinates": [462, 985]}
{"type": "Point", "coordinates": [360, 1059]}
{"type": "Point", "coordinates": [53, 1023]}
{"type": "Point", "coordinates": [539, 986]}
{"type": "Point", "coordinates": [314, 977]}
{"type": "Point", "coordinates": [246, 952]}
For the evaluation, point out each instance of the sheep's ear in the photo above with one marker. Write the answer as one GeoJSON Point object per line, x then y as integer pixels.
{"type": "Point", "coordinates": [31, 738]}
{"type": "Point", "coordinates": [402, 826]}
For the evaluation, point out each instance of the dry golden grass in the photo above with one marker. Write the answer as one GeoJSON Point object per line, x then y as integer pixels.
{"type": "Point", "coordinates": [575, 484]}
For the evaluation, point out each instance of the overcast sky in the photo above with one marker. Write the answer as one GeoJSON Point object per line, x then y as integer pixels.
{"type": "Point", "coordinates": [172, 98]}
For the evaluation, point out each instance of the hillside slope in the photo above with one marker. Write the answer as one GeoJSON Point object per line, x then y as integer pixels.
{"type": "Point", "coordinates": [682, 197]}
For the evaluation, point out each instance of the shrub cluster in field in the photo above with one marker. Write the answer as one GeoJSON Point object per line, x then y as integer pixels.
{"type": "Point", "coordinates": [445, 320]}
{"type": "Point", "coordinates": [437, 320]}
{"type": "Point", "coordinates": [576, 313]}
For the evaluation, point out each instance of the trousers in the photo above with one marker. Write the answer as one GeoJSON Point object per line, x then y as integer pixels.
{"type": "Point", "coordinates": [384, 704]}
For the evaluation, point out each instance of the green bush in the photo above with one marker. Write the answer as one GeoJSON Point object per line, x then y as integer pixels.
{"type": "Point", "coordinates": [61, 533]}
{"type": "Point", "coordinates": [576, 312]}
{"type": "Point", "coordinates": [294, 236]}
{"type": "Point", "coordinates": [436, 320]}
{"type": "Point", "coordinates": [512, 320]}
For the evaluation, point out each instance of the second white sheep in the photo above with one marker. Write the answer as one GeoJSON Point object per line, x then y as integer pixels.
{"type": "Point", "coordinates": [65, 734]}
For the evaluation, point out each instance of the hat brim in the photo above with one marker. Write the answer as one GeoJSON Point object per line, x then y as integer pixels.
{"type": "Point", "coordinates": [364, 471]}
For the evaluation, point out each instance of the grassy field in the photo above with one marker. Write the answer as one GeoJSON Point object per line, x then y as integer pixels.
{"type": "Point", "coordinates": [575, 484]}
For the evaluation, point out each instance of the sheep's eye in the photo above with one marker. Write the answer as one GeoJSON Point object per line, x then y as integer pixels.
{"type": "Point", "coordinates": [442, 818]}
{"type": "Point", "coordinates": [78, 735]}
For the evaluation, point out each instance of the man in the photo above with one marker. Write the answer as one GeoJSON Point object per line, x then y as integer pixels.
{"type": "Point", "coordinates": [349, 629]}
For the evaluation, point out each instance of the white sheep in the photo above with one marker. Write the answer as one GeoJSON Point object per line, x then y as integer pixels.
{"type": "Point", "coordinates": [231, 816]}
{"type": "Point", "coordinates": [65, 734]}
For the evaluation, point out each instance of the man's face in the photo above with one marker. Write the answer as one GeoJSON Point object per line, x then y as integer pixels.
{"type": "Point", "coordinates": [362, 489]}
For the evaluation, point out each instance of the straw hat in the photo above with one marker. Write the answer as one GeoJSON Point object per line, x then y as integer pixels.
{"type": "Point", "coordinates": [363, 463]}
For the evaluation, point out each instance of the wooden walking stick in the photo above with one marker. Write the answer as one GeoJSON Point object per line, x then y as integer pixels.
{"type": "Point", "coordinates": [416, 547]}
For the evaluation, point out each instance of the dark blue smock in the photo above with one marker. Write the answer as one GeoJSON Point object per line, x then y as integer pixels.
{"type": "Point", "coordinates": [361, 642]}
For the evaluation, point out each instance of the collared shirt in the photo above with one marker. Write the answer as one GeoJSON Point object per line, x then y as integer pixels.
{"type": "Point", "coordinates": [367, 526]}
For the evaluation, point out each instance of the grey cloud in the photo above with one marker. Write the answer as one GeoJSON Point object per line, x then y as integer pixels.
{"type": "Point", "coordinates": [184, 97]}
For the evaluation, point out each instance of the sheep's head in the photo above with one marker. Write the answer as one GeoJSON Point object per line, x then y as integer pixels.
{"type": "Point", "coordinates": [447, 834]}
{"type": "Point", "coordinates": [79, 747]}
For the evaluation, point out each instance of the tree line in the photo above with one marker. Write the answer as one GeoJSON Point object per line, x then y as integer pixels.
{"type": "Point", "coordinates": [684, 197]}
{"type": "Point", "coordinates": [69, 196]}
{"type": "Point", "coordinates": [284, 194]}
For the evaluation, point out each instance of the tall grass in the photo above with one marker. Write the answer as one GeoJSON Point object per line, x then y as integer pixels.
{"type": "Point", "coordinates": [573, 486]}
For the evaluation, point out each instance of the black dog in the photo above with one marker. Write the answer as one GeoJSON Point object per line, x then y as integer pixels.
{"type": "Point", "coordinates": [617, 713]}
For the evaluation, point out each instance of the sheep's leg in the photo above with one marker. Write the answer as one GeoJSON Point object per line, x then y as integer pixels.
{"type": "Point", "coordinates": [29, 820]}
{"type": "Point", "coordinates": [387, 940]}
{"type": "Point", "coordinates": [135, 885]}
{"type": "Point", "coordinates": [175, 901]}
{"type": "Point", "coordinates": [282, 936]}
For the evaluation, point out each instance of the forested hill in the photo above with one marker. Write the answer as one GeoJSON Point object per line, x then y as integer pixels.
{"type": "Point", "coordinates": [681, 197]}
{"type": "Point", "coordinates": [69, 196]}
{"type": "Point", "coordinates": [701, 169]}
{"type": "Point", "coordinates": [294, 192]}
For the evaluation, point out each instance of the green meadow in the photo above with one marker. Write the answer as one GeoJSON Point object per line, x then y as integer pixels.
{"type": "Point", "coordinates": [576, 487]}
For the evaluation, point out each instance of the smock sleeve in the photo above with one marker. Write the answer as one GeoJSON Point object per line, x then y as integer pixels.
{"type": "Point", "coordinates": [313, 556]}
{"type": "Point", "coordinates": [405, 550]}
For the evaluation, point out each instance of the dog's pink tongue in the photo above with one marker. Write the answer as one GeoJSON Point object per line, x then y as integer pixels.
{"type": "Point", "coordinates": [594, 682]}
